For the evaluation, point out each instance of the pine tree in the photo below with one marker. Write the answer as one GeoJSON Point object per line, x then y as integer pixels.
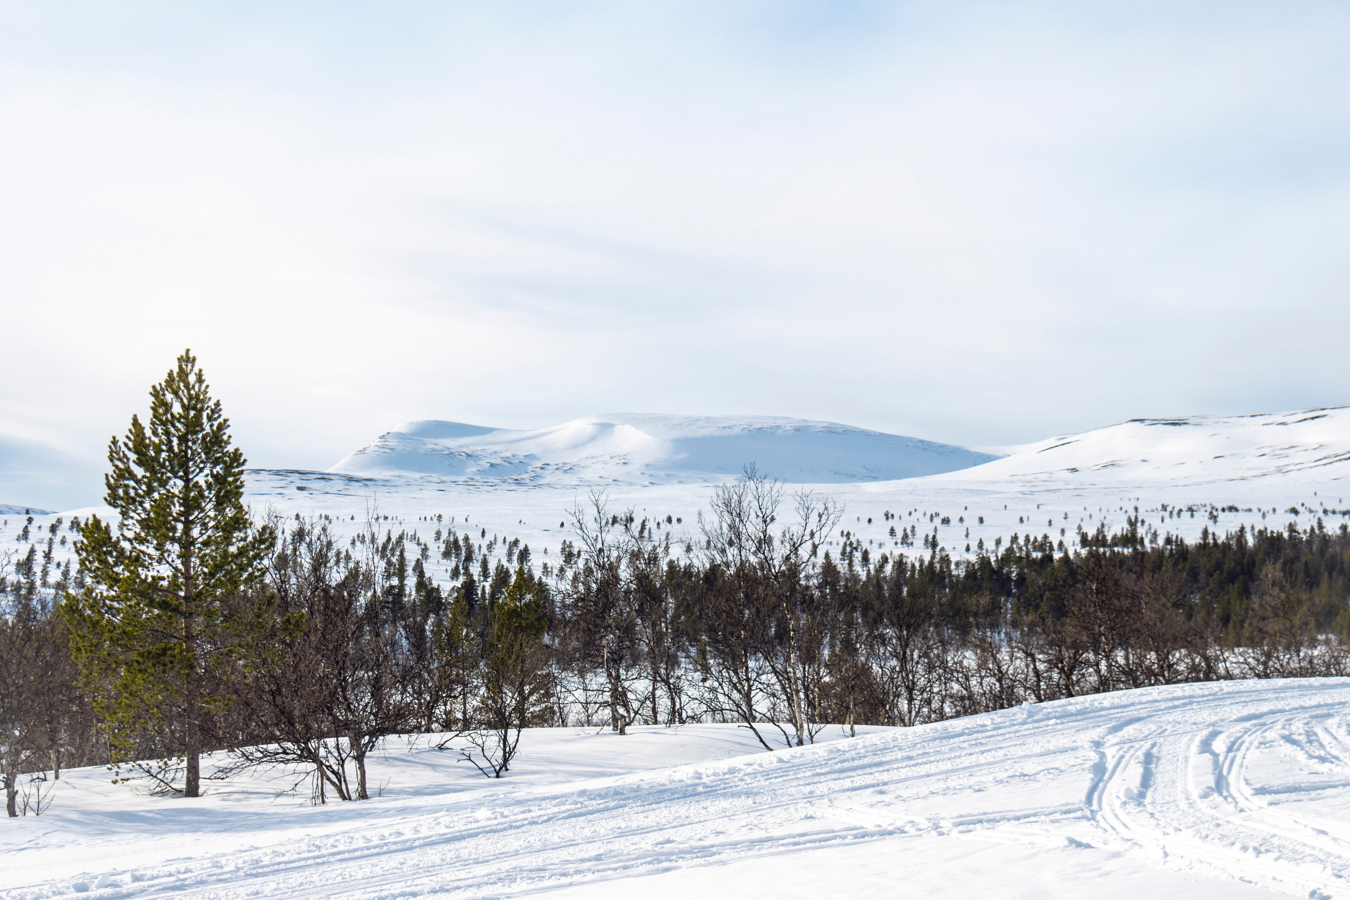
{"type": "Point", "coordinates": [154, 628]}
{"type": "Point", "coordinates": [515, 680]}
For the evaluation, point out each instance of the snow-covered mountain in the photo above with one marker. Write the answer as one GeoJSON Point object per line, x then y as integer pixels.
{"type": "Point", "coordinates": [1298, 447]}
{"type": "Point", "coordinates": [1295, 447]}
{"type": "Point", "coordinates": [654, 449]}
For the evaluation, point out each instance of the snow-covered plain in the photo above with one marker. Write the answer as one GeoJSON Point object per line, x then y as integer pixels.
{"type": "Point", "coordinates": [1233, 789]}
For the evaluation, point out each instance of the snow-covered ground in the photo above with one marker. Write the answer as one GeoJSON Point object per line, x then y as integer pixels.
{"type": "Point", "coordinates": [1235, 789]}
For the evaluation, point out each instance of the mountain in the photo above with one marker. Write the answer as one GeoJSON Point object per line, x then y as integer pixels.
{"type": "Point", "coordinates": [655, 449]}
{"type": "Point", "coordinates": [1291, 447]}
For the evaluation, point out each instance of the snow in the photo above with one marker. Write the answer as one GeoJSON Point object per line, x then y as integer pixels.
{"type": "Point", "coordinates": [1304, 446]}
{"type": "Point", "coordinates": [1230, 789]}
{"type": "Point", "coordinates": [650, 449]}
{"type": "Point", "coordinates": [1293, 447]}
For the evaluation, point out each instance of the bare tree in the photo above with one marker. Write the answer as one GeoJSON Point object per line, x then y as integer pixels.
{"type": "Point", "coordinates": [337, 680]}
{"type": "Point", "coordinates": [768, 566]}
{"type": "Point", "coordinates": [1281, 633]}
{"type": "Point", "coordinates": [41, 711]}
{"type": "Point", "coordinates": [904, 649]}
{"type": "Point", "coordinates": [601, 601]}
{"type": "Point", "coordinates": [20, 637]}
{"type": "Point", "coordinates": [515, 683]}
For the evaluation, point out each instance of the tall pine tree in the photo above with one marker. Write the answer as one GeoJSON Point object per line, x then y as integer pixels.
{"type": "Point", "coordinates": [157, 622]}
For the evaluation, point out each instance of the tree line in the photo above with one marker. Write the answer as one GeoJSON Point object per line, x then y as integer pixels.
{"type": "Point", "coordinates": [191, 628]}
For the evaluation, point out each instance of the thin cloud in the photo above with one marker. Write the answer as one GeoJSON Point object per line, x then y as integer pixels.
{"type": "Point", "coordinates": [974, 223]}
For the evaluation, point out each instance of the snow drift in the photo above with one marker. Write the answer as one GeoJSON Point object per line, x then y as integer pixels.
{"type": "Point", "coordinates": [653, 449]}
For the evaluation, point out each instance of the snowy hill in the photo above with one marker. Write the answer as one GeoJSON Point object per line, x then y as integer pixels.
{"type": "Point", "coordinates": [652, 449]}
{"type": "Point", "coordinates": [1294, 447]}
{"type": "Point", "coordinates": [1227, 789]}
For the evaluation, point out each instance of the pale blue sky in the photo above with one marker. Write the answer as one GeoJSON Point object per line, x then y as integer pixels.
{"type": "Point", "coordinates": [981, 223]}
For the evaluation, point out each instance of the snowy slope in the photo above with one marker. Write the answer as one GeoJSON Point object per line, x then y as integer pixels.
{"type": "Point", "coordinates": [1294, 447]}
{"type": "Point", "coordinates": [1231, 789]}
{"type": "Point", "coordinates": [646, 449]}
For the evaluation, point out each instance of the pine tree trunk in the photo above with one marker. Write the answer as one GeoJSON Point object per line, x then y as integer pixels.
{"type": "Point", "coordinates": [192, 777]}
{"type": "Point", "coordinates": [191, 730]}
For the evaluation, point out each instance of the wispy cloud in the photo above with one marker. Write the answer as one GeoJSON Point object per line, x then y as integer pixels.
{"type": "Point", "coordinates": [978, 223]}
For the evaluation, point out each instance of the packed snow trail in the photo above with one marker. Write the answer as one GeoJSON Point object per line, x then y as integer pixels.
{"type": "Point", "coordinates": [1226, 789]}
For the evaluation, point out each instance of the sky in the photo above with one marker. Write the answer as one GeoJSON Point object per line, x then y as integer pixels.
{"type": "Point", "coordinates": [979, 223]}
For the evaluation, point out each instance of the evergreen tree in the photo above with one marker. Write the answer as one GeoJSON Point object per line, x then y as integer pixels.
{"type": "Point", "coordinates": [516, 683]}
{"type": "Point", "coordinates": [457, 651]}
{"type": "Point", "coordinates": [156, 624]}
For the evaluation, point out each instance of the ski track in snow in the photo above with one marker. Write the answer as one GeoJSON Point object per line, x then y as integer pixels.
{"type": "Point", "coordinates": [1231, 780]}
